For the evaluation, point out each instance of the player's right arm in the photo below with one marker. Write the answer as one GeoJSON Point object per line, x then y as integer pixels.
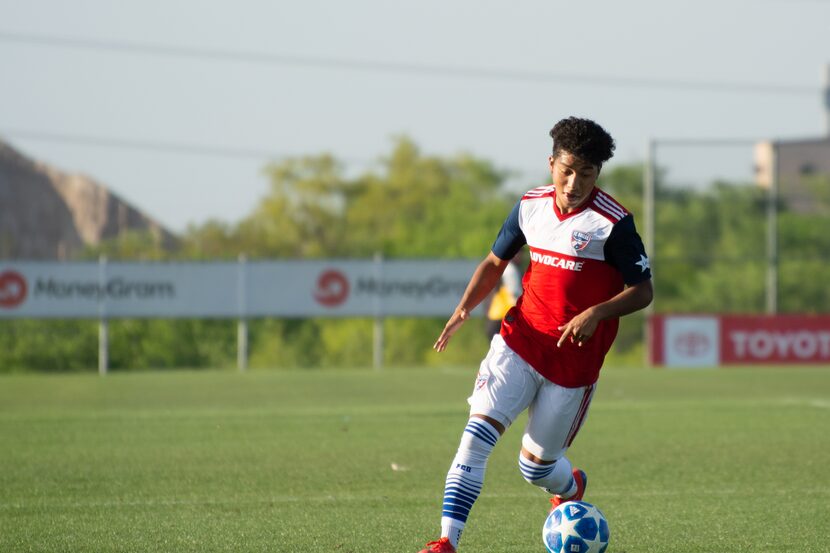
{"type": "Point", "coordinates": [486, 276]}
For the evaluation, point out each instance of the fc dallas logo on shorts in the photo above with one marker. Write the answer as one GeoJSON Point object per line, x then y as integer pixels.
{"type": "Point", "coordinates": [481, 380]}
{"type": "Point", "coordinates": [580, 240]}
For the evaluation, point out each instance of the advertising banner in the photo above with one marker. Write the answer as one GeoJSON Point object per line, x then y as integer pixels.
{"type": "Point", "coordinates": [711, 340]}
{"type": "Point", "coordinates": [783, 339]}
{"type": "Point", "coordinates": [328, 288]}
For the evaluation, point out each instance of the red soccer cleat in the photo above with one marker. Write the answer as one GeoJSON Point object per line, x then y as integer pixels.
{"type": "Point", "coordinates": [441, 546]}
{"type": "Point", "coordinates": [581, 483]}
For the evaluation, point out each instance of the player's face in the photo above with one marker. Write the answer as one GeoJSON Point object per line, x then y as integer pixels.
{"type": "Point", "coordinates": [574, 180]}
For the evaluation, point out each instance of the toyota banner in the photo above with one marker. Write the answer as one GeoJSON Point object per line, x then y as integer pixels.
{"type": "Point", "coordinates": [713, 340]}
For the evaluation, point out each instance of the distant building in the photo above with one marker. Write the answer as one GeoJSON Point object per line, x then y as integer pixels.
{"type": "Point", "coordinates": [46, 214]}
{"type": "Point", "coordinates": [799, 166]}
{"type": "Point", "coordinates": [796, 159]}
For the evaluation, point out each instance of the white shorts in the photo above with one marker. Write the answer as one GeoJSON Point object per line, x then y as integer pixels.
{"type": "Point", "coordinates": [506, 385]}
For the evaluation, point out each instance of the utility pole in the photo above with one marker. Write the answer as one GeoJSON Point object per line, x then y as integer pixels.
{"type": "Point", "coordinates": [772, 235]}
{"type": "Point", "coordinates": [827, 100]}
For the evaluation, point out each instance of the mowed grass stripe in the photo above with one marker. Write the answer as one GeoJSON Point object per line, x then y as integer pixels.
{"type": "Point", "coordinates": [426, 495]}
{"type": "Point", "coordinates": [423, 410]}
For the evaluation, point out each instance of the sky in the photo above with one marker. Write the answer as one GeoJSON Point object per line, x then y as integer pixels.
{"type": "Point", "coordinates": [178, 105]}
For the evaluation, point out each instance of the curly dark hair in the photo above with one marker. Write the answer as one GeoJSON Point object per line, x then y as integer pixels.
{"type": "Point", "coordinates": [583, 138]}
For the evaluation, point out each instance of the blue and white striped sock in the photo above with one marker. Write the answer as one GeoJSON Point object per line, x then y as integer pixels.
{"type": "Point", "coordinates": [466, 476]}
{"type": "Point", "coordinates": [534, 472]}
{"type": "Point", "coordinates": [554, 478]}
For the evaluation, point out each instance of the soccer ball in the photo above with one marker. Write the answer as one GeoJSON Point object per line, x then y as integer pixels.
{"type": "Point", "coordinates": [576, 527]}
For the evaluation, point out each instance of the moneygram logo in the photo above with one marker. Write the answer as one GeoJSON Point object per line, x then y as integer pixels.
{"type": "Point", "coordinates": [332, 288]}
{"type": "Point", "coordinates": [12, 289]}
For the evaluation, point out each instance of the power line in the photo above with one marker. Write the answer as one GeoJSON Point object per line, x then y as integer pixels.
{"type": "Point", "coordinates": [175, 148]}
{"type": "Point", "coordinates": [131, 144]}
{"type": "Point", "coordinates": [464, 72]}
{"type": "Point", "coordinates": [178, 147]}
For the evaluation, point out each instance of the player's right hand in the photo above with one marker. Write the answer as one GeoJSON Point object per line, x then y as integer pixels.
{"type": "Point", "coordinates": [456, 320]}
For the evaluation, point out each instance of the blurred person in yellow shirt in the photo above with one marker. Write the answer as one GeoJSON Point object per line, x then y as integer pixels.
{"type": "Point", "coordinates": [504, 297]}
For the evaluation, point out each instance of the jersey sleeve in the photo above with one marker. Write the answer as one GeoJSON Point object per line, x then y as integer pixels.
{"type": "Point", "coordinates": [511, 238]}
{"type": "Point", "coordinates": [625, 251]}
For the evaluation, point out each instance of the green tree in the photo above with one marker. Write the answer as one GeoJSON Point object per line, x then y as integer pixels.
{"type": "Point", "coordinates": [138, 245]}
{"type": "Point", "coordinates": [710, 249]}
{"type": "Point", "coordinates": [48, 345]}
{"type": "Point", "coordinates": [302, 216]}
{"type": "Point", "coordinates": [412, 205]}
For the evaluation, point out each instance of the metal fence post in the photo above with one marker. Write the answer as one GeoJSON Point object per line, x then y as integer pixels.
{"type": "Point", "coordinates": [242, 325]}
{"type": "Point", "coordinates": [103, 325]}
{"type": "Point", "coordinates": [377, 334]}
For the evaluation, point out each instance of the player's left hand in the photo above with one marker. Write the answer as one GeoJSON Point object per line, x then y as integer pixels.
{"type": "Point", "coordinates": [580, 328]}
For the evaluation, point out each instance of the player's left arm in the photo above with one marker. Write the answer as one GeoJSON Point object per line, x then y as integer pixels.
{"type": "Point", "coordinates": [624, 250]}
{"type": "Point", "coordinates": [632, 299]}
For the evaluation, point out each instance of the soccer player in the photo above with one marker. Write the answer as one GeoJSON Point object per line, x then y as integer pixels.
{"type": "Point", "coordinates": [587, 268]}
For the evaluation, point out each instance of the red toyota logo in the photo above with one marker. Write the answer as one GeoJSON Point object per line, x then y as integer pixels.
{"type": "Point", "coordinates": [12, 289]}
{"type": "Point", "coordinates": [692, 344]}
{"type": "Point", "coordinates": [332, 288]}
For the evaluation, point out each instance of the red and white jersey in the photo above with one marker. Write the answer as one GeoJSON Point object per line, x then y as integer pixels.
{"type": "Point", "coordinates": [577, 260]}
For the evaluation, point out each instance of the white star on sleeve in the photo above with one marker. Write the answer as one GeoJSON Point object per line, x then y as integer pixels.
{"type": "Point", "coordinates": [643, 263]}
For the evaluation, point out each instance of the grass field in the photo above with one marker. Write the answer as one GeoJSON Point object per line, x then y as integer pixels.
{"type": "Point", "coordinates": [696, 461]}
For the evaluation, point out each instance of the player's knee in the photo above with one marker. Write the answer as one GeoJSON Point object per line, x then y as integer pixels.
{"type": "Point", "coordinates": [535, 473]}
{"type": "Point", "coordinates": [477, 443]}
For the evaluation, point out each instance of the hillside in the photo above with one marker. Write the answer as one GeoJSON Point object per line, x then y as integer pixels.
{"type": "Point", "coordinates": [47, 214]}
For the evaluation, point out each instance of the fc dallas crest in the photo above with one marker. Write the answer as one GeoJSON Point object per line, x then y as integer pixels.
{"type": "Point", "coordinates": [580, 240]}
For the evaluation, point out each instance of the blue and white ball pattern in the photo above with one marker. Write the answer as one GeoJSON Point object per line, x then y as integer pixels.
{"type": "Point", "coordinates": [576, 527]}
